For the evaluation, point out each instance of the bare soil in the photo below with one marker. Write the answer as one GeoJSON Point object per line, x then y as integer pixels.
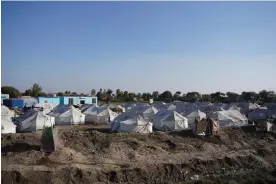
{"type": "Point", "coordinates": [91, 154]}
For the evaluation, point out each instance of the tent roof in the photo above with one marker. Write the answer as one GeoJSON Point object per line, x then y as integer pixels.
{"type": "Point", "coordinates": [196, 113]}
{"type": "Point", "coordinates": [174, 116]}
{"type": "Point", "coordinates": [66, 110]}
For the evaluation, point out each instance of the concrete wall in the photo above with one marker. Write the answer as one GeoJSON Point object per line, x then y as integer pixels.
{"type": "Point", "coordinates": [77, 100]}
{"type": "Point", "coordinates": [51, 100]}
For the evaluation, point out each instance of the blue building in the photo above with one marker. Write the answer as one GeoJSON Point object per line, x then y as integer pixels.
{"type": "Point", "coordinates": [51, 100]}
{"type": "Point", "coordinates": [74, 100]}
{"type": "Point", "coordinates": [65, 100]}
{"type": "Point", "coordinates": [14, 103]}
{"type": "Point", "coordinates": [4, 96]}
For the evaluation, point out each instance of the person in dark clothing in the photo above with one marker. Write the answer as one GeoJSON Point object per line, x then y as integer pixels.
{"type": "Point", "coordinates": [25, 108]}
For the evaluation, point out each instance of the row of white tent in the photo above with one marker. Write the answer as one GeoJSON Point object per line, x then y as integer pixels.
{"type": "Point", "coordinates": [170, 117]}
{"type": "Point", "coordinates": [36, 119]}
{"type": "Point", "coordinates": [137, 117]}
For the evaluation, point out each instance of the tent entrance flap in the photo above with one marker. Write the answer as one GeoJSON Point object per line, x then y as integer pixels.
{"type": "Point", "coordinates": [47, 141]}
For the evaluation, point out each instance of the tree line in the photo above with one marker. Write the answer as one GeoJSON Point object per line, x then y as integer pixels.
{"type": "Point", "coordinates": [263, 96]}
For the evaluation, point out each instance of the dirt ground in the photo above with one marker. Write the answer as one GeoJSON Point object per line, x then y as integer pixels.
{"type": "Point", "coordinates": [91, 154]}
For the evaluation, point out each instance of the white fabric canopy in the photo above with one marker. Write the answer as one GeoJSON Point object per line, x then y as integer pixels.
{"type": "Point", "coordinates": [7, 126]}
{"type": "Point", "coordinates": [67, 115]}
{"type": "Point", "coordinates": [196, 114]}
{"type": "Point", "coordinates": [149, 112]}
{"type": "Point", "coordinates": [229, 118]}
{"type": "Point", "coordinates": [137, 124]}
{"type": "Point", "coordinates": [122, 117]}
{"type": "Point", "coordinates": [170, 120]}
{"type": "Point", "coordinates": [46, 106]}
{"type": "Point", "coordinates": [171, 107]}
{"type": "Point", "coordinates": [258, 114]}
{"type": "Point", "coordinates": [99, 115]}
{"type": "Point", "coordinates": [86, 106]}
{"type": "Point", "coordinates": [6, 112]}
{"type": "Point", "coordinates": [33, 120]}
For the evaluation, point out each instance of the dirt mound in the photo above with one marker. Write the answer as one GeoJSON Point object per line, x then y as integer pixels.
{"type": "Point", "coordinates": [88, 154]}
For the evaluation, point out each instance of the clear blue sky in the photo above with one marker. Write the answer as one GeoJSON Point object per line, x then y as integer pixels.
{"type": "Point", "coordinates": [139, 46]}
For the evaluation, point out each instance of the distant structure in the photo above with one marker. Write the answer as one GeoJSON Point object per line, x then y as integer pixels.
{"type": "Point", "coordinates": [66, 100]}
{"type": "Point", "coordinates": [4, 96]}
{"type": "Point", "coordinates": [78, 100]}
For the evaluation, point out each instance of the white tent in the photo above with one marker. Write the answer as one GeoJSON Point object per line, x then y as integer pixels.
{"type": "Point", "coordinates": [258, 114]}
{"type": "Point", "coordinates": [6, 112]}
{"type": "Point", "coordinates": [33, 120]}
{"type": "Point", "coordinates": [246, 107]}
{"type": "Point", "coordinates": [185, 108]}
{"type": "Point", "coordinates": [159, 105]}
{"type": "Point", "coordinates": [137, 124]}
{"type": "Point", "coordinates": [203, 105]}
{"type": "Point", "coordinates": [233, 107]}
{"type": "Point", "coordinates": [122, 108]}
{"type": "Point", "coordinates": [67, 115]}
{"type": "Point", "coordinates": [122, 117]}
{"type": "Point", "coordinates": [229, 118]}
{"type": "Point", "coordinates": [149, 112]}
{"type": "Point", "coordinates": [171, 107]}
{"type": "Point", "coordinates": [7, 126]}
{"type": "Point", "coordinates": [170, 120]}
{"type": "Point", "coordinates": [86, 106]}
{"type": "Point", "coordinates": [99, 115]}
{"type": "Point", "coordinates": [271, 106]}
{"type": "Point", "coordinates": [213, 108]}
{"type": "Point", "coordinates": [46, 106]}
{"type": "Point", "coordinates": [132, 107]}
{"type": "Point", "coordinates": [196, 114]}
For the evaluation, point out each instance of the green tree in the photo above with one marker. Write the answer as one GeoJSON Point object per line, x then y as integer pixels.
{"type": "Point", "coordinates": [42, 94]}
{"type": "Point", "coordinates": [146, 96]}
{"type": "Point", "coordinates": [125, 94]}
{"type": "Point", "coordinates": [166, 95]}
{"type": "Point", "coordinates": [13, 92]}
{"type": "Point", "coordinates": [60, 94]}
{"type": "Point", "coordinates": [67, 93]}
{"type": "Point", "coordinates": [118, 93]}
{"type": "Point", "coordinates": [139, 95]}
{"type": "Point", "coordinates": [28, 92]}
{"type": "Point", "coordinates": [218, 97]}
{"type": "Point", "coordinates": [93, 92]}
{"type": "Point", "coordinates": [176, 95]}
{"type": "Point", "coordinates": [206, 98]}
{"type": "Point", "coordinates": [232, 97]}
{"type": "Point", "coordinates": [193, 96]}
{"type": "Point", "coordinates": [36, 89]}
{"type": "Point", "coordinates": [74, 93]}
{"type": "Point", "coordinates": [266, 96]}
{"type": "Point", "coordinates": [100, 94]}
{"type": "Point", "coordinates": [109, 94]}
{"type": "Point", "coordinates": [249, 96]}
{"type": "Point", "coordinates": [155, 95]}
{"type": "Point", "coordinates": [131, 96]}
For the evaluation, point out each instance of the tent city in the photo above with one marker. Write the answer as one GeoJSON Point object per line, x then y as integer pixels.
{"type": "Point", "coordinates": [138, 92]}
